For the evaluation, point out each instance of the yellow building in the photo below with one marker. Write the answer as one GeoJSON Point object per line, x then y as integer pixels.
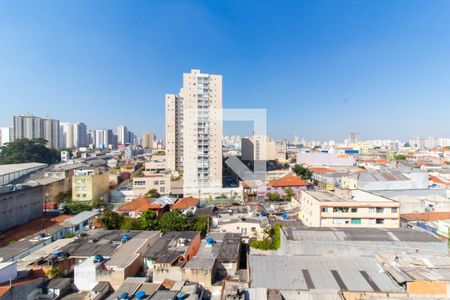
{"type": "Point", "coordinates": [89, 184]}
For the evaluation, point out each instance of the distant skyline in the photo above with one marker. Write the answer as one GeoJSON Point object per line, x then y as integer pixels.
{"type": "Point", "coordinates": [322, 69]}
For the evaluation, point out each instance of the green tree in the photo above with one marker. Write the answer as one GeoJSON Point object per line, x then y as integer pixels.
{"type": "Point", "coordinates": [149, 220]}
{"type": "Point", "coordinates": [273, 196]}
{"type": "Point", "coordinates": [400, 157]}
{"type": "Point", "coordinates": [201, 224]}
{"type": "Point", "coordinates": [128, 223]}
{"type": "Point", "coordinates": [303, 172]}
{"type": "Point", "coordinates": [172, 221]}
{"type": "Point", "coordinates": [153, 193]}
{"type": "Point", "coordinates": [289, 194]}
{"type": "Point", "coordinates": [100, 204]}
{"type": "Point", "coordinates": [26, 150]}
{"type": "Point", "coordinates": [111, 219]}
{"type": "Point", "coordinates": [74, 208]}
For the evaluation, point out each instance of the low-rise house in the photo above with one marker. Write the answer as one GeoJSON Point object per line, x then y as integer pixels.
{"type": "Point", "coordinates": [186, 203]}
{"type": "Point", "coordinates": [159, 182]}
{"type": "Point", "coordinates": [137, 206]}
{"type": "Point", "coordinates": [125, 261]}
{"type": "Point", "coordinates": [348, 208]}
{"type": "Point", "coordinates": [280, 185]}
{"type": "Point", "coordinates": [248, 227]}
{"type": "Point", "coordinates": [167, 257]}
{"type": "Point", "coordinates": [219, 256]}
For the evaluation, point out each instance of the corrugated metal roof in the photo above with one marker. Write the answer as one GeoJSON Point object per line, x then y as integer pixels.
{"type": "Point", "coordinates": [288, 272]}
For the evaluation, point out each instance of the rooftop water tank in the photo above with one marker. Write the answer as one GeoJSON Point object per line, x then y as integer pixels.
{"type": "Point", "coordinates": [57, 253]}
{"type": "Point", "coordinates": [124, 295]}
{"type": "Point", "coordinates": [125, 238]}
{"type": "Point", "coordinates": [98, 258]}
{"type": "Point", "coordinates": [209, 241]}
{"type": "Point", "coordinates": [41, 235]}
{"type": "Point", "coordinates": [180, 296]}
{"type": "Point", "coordinates": [284, 216]}
{"type": "Point", "coordinates": [140, 295]}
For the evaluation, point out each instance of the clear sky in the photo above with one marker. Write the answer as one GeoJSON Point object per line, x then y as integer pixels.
{"type": "Point", "coordinates": [320, 68]}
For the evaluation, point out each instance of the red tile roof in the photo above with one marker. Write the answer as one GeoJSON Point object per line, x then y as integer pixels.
{"type": "Point", "coordinates": [288, 180]}
{"type": "Point", "coordinates": [321, 170]}
{"type": "Point", "coordinates": [438, 180]}
{"type": "Point", "coordinates": [427, 216]}
{"type": "Point", "coordinates": [139, 205]}
{"type": "Point", "coordinates": [187, 202]}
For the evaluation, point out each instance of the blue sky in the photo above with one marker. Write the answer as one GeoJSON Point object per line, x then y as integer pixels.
{"type": "Point", "coordinates": [320, 68]}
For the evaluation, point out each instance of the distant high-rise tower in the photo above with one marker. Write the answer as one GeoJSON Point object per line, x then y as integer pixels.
{"type": "Point", "coordinates": [66, 135]}
{"type": "Point", "coordinates": [148, 140]}
{"type": "Point", "coordinates": [194, 131]}
{"type": "Point", "coordinates": [352, 138]}
{"type": "Point", "coordinates": [80, 138]}
{"type": "Point", "coordinates": [101, 138]}
{"type": "Point", "coordinates": [122, 135]}
{"type": "Point", "coordinates": [31, 127]}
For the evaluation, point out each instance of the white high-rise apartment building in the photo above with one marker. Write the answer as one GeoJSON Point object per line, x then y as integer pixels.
{"type": "Point", "coordinates": [80, 138]}
{"type": "Point", "coordinates": [258, 147]}
{"type": "Point", "coordinates": [194, 131]}
{"type": "Point", "coordinates": [27, 126]}
{"type": "Point", "coordinates": [51, 132]}
{"type": "Point", "coordinates": [122, 135]}
{"type": "Point", "coordinates": [66, 135]}
{"type": "Point", "coordinates": [31, 127]}
{"type": "Point", "coordinates": [5, 135]}
{"type": "Point", "coordinates": [101, 138]}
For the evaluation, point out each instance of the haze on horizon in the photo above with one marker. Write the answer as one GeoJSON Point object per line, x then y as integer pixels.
{"type": "Point", "coordinates": [322, 69]}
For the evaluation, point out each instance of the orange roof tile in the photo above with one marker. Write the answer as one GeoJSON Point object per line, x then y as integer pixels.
{"type": "Point", "coordinates": [168, 283]}
{"type": "Point", "coordinates": [427, 216]}
{"type": "Point", "coordinates": [187, 202]}
{"type": "Point", "coordinates": [139, 205]}
{"type": "Point", "coordinates": [438, 180]}
{"type": "Point", "coordinates": [288, 180]}
{"type": "Point", "coordinates": [321, 170]}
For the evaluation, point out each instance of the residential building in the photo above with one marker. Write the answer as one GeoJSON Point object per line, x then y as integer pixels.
{"type": "Point", "coordinates": [160, 182]}
{"type": "Point", "coordinates": [90, 184]}
{"type": "Point", "coordinates": [137, 206]}
{"type": "Point", "coordinates": [122, 135]}
{"type": "Point", "coordinates": [156, 164]}
{"type": "Point", "coordinates": [258, 147]}
{"type": "Point", "coordinates": [66, 135]}
{"type": "Point", "coordinates": [80, 137]}
{"type": "Point", "coordinates": [31, 127]}
{"type": "Point", "coordinates": [27, 126]}
{"type": "Point", "coordinates": [6, 135]}
{"type": "Point", "coordinates": [348, 208]}
{"type": "Point", "coordinates": [248, 227]}
{"type": "Point", "coordinates": [148, 140]}
{"type": "Point", "coordinates": [101, 138]}
{"type": "Point", "coordinates": [170, 253]}
{"type": "Point", "coordinates": [51, 132]}
{"type": "Point", "coordinates": [289, 181]}
{"type": "Point", "coordinates": [194, 131]}
{"type": "Point", "coordinates": [218, 257]}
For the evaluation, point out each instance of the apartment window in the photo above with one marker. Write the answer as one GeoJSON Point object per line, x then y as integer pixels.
{"type": "Point", "coordinates": [139, 182]}
{"type": "Point", "coordinates": [341, 209]}
{"type": "Point", "coordinates": [354, 210]}
{"type": "Point", "coordinates": [341, 221]}
{"type": "Point", "coordinates": [324, 209]}
{"type": "Point", "coordinates": [356, 221]}
{"type": "Point", "coordinates": [371, 210]}
{"type": "Point", "coordinates": [161, 190]}
{"type": "Point", "coordinates": [371, 221]}
{"type": "Point", "coordinates": [394, 210]}
{"type": "Point", "coordinates": [156, 182]}
{"type": "Point", "coordinates": [379, 221]}
{"type": "Point", "coordinates": [380, 210]}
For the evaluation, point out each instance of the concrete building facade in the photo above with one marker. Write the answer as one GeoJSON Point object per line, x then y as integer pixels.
{"type": "Point", "coordinates": [89, 184]}
{"type": "Point", "coordinates": [194, 131]}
